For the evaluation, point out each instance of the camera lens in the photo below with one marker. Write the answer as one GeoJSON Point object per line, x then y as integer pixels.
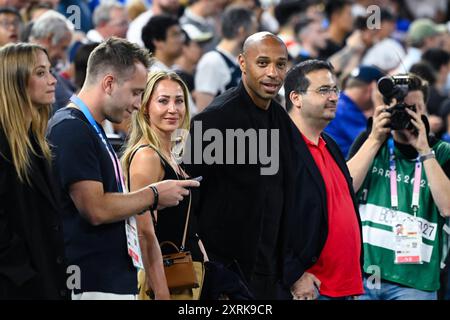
{"type": "Point", "coordinates": [386, 86]}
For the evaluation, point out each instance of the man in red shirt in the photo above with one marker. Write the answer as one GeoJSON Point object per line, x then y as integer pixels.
{"type": "Point", "coordinates": [327, 243]}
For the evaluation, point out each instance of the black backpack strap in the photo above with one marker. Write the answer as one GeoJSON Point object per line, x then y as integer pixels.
{"type": "Point", "coordinates": [235, 71]}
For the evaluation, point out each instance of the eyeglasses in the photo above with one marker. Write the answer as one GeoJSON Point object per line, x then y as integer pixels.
{"type": "Point", "coordinates": [326, 91]}
{"type": "Point", "coordinates": [12, 23]}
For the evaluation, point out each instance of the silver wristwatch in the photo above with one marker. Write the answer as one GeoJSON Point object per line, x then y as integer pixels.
{"type": "Point", "coordinates": [427, 156]}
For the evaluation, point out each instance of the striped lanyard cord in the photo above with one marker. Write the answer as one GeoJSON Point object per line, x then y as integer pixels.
{"type": "Point", "coordinates": [393, 179]}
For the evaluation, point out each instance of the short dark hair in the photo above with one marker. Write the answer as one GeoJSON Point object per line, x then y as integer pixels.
{"type": "Point", "coordinates": [156, 29]}
{"type": "Point", "coordinates": [296, 79]}
{"type": "Point", "coordinates": [36, 5]}
{"type": "Point", "coordinates": [360, 23]}
{"type": "Point", "coordinates": [333, 6]}
{"type": "Point", "coordinates": [10, 10]}
{"type": "Point", "coordinates": [424, 70]}
{"type": "Point", "coordinates": [436, 57]}
{"type": "Point", "coordinates": [417, 83]}
{"type": "Point", "coordinates": [234, 18]}
{"type": "Point", "coordinates": [117, 54]}
{"type": "Point", "coordinates": [303, 23]}
{"type": "Point", "coordinates": [286, 9]}
{"type": "Point", "coordinates": [387, 15]}
{"type": "Point", "coordinates": [80, 62]}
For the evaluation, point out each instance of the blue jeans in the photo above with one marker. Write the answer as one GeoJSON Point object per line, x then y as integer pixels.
{"type": "Point", "coordinates": [325, 298]}
{"type": "Point", "coordinates": [391, 291]}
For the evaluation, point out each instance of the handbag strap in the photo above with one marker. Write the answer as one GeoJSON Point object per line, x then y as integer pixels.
{"type": "Point", "coordinates": [183, 241]}
{"type": "Point", "coordinates": [186, 223]}
{"type": "Point", "coordinates": [169, 243]}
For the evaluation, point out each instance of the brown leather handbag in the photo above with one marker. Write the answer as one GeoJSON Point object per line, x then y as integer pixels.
{"type": "Point", "coordinates": [178, 266]}
{"type": "Point", "coordinates": [179, 269]}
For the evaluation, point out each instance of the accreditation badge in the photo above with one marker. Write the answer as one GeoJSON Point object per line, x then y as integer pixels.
{"type": "Point", "coordinates": [134, 250]}
{"type": "Point", "coordinates": [408, 241]}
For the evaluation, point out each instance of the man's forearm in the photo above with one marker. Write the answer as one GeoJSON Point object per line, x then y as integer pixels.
{"type": "Point", "coordinates": [341, 59]}
{"type": "Point", "coordinates": [113, 207]}
{"type": "Point", "coordinates": [359, 164]}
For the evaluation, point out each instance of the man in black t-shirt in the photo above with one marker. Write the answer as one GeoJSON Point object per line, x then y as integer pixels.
{"type": "Point", "coordinates": [94, 203]}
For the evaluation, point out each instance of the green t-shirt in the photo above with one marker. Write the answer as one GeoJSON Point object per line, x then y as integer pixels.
{"type": "Point", "coordinates": [377, 219]}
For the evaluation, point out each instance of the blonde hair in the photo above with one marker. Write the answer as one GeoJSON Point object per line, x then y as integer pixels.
{"type": "Point", "coordinates": [16, 66]}
{"type": "Point", "coordinates": [140, 121]}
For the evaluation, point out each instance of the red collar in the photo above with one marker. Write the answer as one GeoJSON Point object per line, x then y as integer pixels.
{"type": "Point", "coordinates": [321, 145]}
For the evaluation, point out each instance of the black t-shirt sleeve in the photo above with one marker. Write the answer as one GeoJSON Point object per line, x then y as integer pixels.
{"type": "Point", "coordinates": [356, 145]}
{"type": "Point", "coordinates": [75, 153]}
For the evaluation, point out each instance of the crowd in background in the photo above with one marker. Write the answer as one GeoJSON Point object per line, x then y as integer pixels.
{"type": "Point", "coordinates": [191, 37]}
{"type": "Point", "coordinates": [200, 40]}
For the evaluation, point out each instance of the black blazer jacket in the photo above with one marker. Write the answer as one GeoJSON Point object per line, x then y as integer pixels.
{"type": "Point", "coordinates": [32, 264]}
{"type": "Point", "coordinates": [229, 207]}
{"type": "Point", "coordinates": [309, 218]}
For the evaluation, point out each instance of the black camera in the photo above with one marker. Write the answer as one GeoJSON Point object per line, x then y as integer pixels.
{"type": "Point", "coordinates": [396, 87]}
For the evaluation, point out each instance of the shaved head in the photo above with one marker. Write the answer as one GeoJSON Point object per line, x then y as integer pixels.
{"type": "Point", "coordinates": [263, 63]}
{"type": "Point", "coordinates": [256, 39]}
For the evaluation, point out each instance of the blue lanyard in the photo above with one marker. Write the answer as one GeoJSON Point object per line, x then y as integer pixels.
{"type": "Point", "coordinates": [83, 108]}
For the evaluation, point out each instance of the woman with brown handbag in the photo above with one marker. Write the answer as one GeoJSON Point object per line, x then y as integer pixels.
{"type": "Point", "coordinates": [148, 158]}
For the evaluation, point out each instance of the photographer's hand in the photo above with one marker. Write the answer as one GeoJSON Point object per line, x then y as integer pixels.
{"type": "Point", "coordinates": [359, 164]}
{"type": "Point", "coordinates": [438, 181]}
{"type": "Point", "coordinates": [380, 125]}
{"type": "Point", "coordinates": [419, 141]}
